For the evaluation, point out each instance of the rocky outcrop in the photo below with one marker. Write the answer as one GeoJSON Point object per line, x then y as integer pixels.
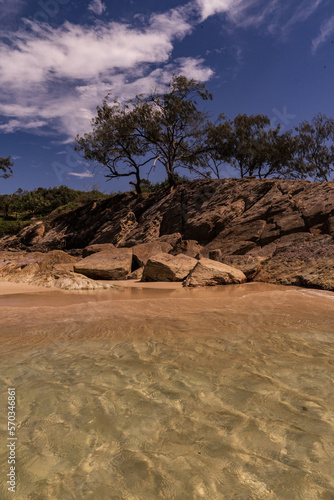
{"type": "Point", "coordinates": [165, 267]}
{"type": "Point", "coordinates": [52, 269]}
{"type": "Point", "coordinates": [276, 231]}
{"type": "Point", "coordinates": [188, 247]}
{"type": "Point", "coordinates": [210, 273]}
{"type": "Point", "coordinates": [141, 253]}
{"type": "Point", "coordinates": [136, 275]}
{"type": "Point", "coordinates": [74, 281]}
{"type": "Point", "coordinates": [114, 264]}
{"type": "Point", "coordinates": [91, 249]}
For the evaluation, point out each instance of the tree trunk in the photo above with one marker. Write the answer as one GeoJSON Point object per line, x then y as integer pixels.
{"type": "Point", "coordinates": [171, 177]}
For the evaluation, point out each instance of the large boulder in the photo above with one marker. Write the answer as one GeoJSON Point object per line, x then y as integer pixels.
{"type": "Point", "coordinates": [301, 259]}
{"type": "Point", "coordinates": [52, 269]}
{"type": "Point", "coordinates": [114, 264]}
{"type": "Point", "coordinates": [210, 273]}
{"type": "Point", "coordinates": [99, 247]}
{"type": "Point", "coordinates": [73, 281]}
{"type": "Point", "coordinates": [141, 253]}
{"type": "Point", "coordinates": [165, 267]}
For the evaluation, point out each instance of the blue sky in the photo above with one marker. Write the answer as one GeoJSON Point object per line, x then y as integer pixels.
{"type": "Point", "coordinates": [59, 58]}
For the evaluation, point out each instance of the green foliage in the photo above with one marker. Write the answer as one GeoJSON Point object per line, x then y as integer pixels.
{"type": "Point", "coordinates": [18, 208]}
{"type": "Point", "coordinates": [172, 126]}
{"type": "Point", "coordinates": [11, 227]}
{"type": "Point", "coordinates": [250, 145]}
{"type": "Point", "coordinates": [314, 148]}
{"type": "Point", "coordinates": [114, 142]}
{"type": "Point", "coordinates": [161, 128]}
{"type": "Point", "coordinates": [152, 188]}
{"type": "Point", "coordinates": [6, 167]}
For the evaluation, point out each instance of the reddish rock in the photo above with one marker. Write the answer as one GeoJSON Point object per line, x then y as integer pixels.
{"type": "Point", "coordinates": [136, 275]}
{"type": "Point", "coordinates": [32, 234]}
{"type": "Point", "coordinates": [290, 223]}
{"type": "Point", "coordinates": [278, 219]}
{"type": "Point", "coordinates": [141, 253]}
{"type": "Point", "coordinates": [102, 247]}
{"type": "Point", "coordinates": [114, 264]}
{"type": "Point", "coordinates": [271, 232]}
{"type": "Point", "coordinates": [172, 239]}
{"type": "Point", "coordinates": [210, 273]}
{"type": "Point", "coordinates": [165, 267]}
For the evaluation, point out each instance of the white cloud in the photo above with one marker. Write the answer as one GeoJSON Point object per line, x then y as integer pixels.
{"type": "Point", "coordinates": [81, 175]}
{"type": "Point", "coordinates": [241, 12]}
{"type": "Point", "coordinates": [326, 31]}
{"type": "Point", "coordinates": [275, 15]}
{"type": "Point", "coordinates": [14, 125]}
{"type": "Point", "coordinates": [210, 7]}
{"type": "Point", "coordinates": [97, 7]}
{"type": "Point", "coordinates": [57, 76]}
{"type": "Point", "coordinates": [77, 52]}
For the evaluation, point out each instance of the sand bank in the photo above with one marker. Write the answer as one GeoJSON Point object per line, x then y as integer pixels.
{"type": "Point", "coordinates": [9, 287]}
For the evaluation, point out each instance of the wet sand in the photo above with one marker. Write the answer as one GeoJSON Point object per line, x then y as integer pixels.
{"type": "Point", "coordinates": [9, 287]}
{"type": "Point", "coordinates": [161, 392]}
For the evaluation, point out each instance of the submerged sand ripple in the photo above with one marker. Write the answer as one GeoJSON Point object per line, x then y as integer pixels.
{"type": "Point", "coordinates": [220, 400]}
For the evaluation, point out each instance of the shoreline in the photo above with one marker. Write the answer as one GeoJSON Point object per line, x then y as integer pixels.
{"type": "Point", "coordinates": [29, 317]}
{"type": "Point", "coordinates": [22, 288]}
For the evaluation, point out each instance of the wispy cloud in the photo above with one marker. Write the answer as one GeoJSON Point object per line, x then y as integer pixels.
{"type": "Point", "coordinates": [97, 7]}
{"type": "Point", "coordinates": [78, 52]}
{"type": "Point", "coordinates": [14, 125]}
{"type": "Point", "coordinates": [326, 31]}
{"type": "Point", "coordinates": [241, 12]}
{"type": "Point", "coordinates": [272, 15]}
{"type": "Point", "coordinates": [210, 7]}
{"type": "Point", "coordinates": [81, 175]}
{"type": "Point", "coordinates": [57, 76]}
{"type": "Point", "coordinates": [305, 10]}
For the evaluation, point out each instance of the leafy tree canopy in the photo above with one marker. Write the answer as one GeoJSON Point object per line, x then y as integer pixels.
{"type": "Point", "coordinates": [314, 148]}
{"type": "Point", "coordinates": [250, 145]}
{"type": "Point", "coordinates": [165, 128]}
{"type": "Point", "coordinates": [168, 129]}
{"type": "Point", "coordinates": [6, 167]}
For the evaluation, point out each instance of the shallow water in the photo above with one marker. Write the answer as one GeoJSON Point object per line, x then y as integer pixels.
{"type": "Point", "coordinates": [225, 393]}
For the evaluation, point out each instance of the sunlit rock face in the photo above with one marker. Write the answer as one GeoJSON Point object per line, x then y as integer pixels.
{"type": "Point", "coordinates": [276, 231]}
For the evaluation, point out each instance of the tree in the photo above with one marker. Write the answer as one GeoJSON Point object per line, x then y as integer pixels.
{"type": "Point", "coordinates": [165, 128]}
{"type": "Point", "coordinates": [6, 167]}
{"type": "Point", "coordinates": [115, 143]}
{"type": "Point", "coordinates": [314, 150]}
{"type": "Point", "coordinates": [172, 126]}
{"type": "Point", "coordinates": [250, 145]}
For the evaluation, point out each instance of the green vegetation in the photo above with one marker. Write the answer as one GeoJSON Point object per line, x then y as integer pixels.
{"type": "Point", "coordinates": [6, 167]}
{"type": "Point", "coordinates": [147, 187]}
{"type": "Point", "coordinates": [169, 129]}
{"type": "Point", "coordinates": [19, 209]}
{"type": "Point", "coordinates": [253, 148]}
{"type": "Point", "coordinates": [250, 145]}
{"type": "Point", "coordinates": [162, 128]}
